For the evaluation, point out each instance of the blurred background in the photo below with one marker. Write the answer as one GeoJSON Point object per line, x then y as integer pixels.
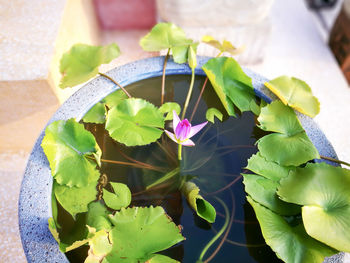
{"type": "Point", "coordinates": [308, 39]}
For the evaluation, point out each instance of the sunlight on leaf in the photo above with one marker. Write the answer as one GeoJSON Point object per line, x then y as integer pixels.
{"type": "Point", "coordinates": [323, 190]}
{"type": "Point", "coordinates": [135, 122]}
{"type": "Point", "coordinates": [168, 108]}
{"type": "Point", "coordinates": [225, 46]}
{"type": "Point", "coordinates": [263, 191]}
{"type": "Point", "coordinates": [97, 114]}
{"type": "Point", "coordinates": [289, 145]}
{"type": "Point", "coordinates": [268, 169]}
{"type": "Point", "coordinates": [231, 84]}
{"type": "Point", "coordinates": [281, 237]}
{"type": "Point", "coordinates": [120, 198]}
{"type": "Point", "coordinates": [75, 199]}
{"type": "Point", "coordinates": [296, 94]}
{"type": "Point", "coordinates": [165, 36]}
{"type": "Point", "coordinates": [81, 62]}
{"type": "Point", "coordinates": [66, 145]}
{"type": "Point", "coordinates": [99, 246]}
{"type": "Point", "coordinates": [202, 207]}
{"type": "Point", "coordinates": [213, 112]}
{"type": "Point", "coordinates": [139, 232]}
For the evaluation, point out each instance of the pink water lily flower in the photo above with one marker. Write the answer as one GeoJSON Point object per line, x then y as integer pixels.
{"type": "Point", "coordinates": [183, 130]}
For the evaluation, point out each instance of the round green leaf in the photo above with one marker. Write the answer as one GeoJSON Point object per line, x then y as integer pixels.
{"type": "Point", "coordinates": [75, 199]}
{"type": "Point", "coordinates": [100, 246]}
{"type": "Point", "coordinates": [296, 94]}
{"type": "Point", "coordinates": [263, 191]}
{"type": "Point", "coordinates": [323, 190]}
{"type": "Point", "coordinates": [135, 122]}
{"type": "Point", "coordinates": [66, 145]}
{"type": "Point", "coordinates": [158, 258]}
{"type": "Point", "coordinates": [202, 207]}
{"type": "Point", "coordinates": [97, 114]}
{"type": "Point", "coordinates": [213, 112]}
{"type": "Point", "coordinates": [168, 108]}
{"type": "Point", "coordinates": [225, 46]}
{"type": "Point", "coordinates": [97, 216]}
{"type": "Point", "coordinates": [114, 98]}
{"type": "Point", "coordinates": [120, 198]}
{"type": "Point", "coordinates": [268, 169]}
{"type": "Point", "coordinates": [291, 244]}
{"type": "Point", "coordinates": [81, 62]}
{"type": "Point", "coordinates": [231, 84]}
{"type": "Point", "coordinates": [139, 232]}
{"type": "Point", "coordinates": [289, 145]}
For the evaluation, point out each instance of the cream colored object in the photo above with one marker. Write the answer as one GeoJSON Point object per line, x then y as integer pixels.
{"type": "Point", "coordinates": [33, 36]}
{"type": "Point", "coordinates": [213, 12]}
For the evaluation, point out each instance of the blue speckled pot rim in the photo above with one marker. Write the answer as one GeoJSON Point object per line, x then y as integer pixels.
{"type": "Point", "coordinates": [35, 196]}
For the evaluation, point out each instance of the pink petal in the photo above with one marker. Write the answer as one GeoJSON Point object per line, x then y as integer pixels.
{"type": "Point", "coordinates": [196, 129]}
{"type": "Point", "coordinates": [171, 136]}
{"type": "Point", "coordinates": [188, 142]}
{"type": "Point", "coordinates": [183, 130]}
{"type": "Point", "coordinates": [176, 120]}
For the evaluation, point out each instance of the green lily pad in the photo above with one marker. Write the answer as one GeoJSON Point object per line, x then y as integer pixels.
{"type": "Point", "coordinates": [97, 114]}
{"type": "Point", "coordinates": [289, 145]}
{"type": "Point", "coordinates": [231, 84]}
{"type": "Point", "coordinates": [168, 35]}
{"type": "Point", "coordinates": [263, 191]}
{"type": "Point", "coordinates": [224, 46]}
{"type": "Point", "coordinates": [296, 94]}
{"type": "Point", "coordinates": [81, 62]}
{"type": "Point", "coordinates": [158, 258]}
{"type": "Point", "coordinates": [100, 246]}
{"type": "Point", "coordinates": [120, 198]}
{"type": "Point", "coordinates": [268, 169]}
{"type": "Point", "coordinates": [75, 199]}
{"type": "Point", "coordinates": [202, 207]}
{"type": "Point", "coordinates": [135, 122]}
{"type": "Point", "coordinates": [168, 108]}
{"type": "Point", "coordinates": [323, 190]}
{"type": "Point", "coordinates": [67, 146]}
{"type": "Point", "coordinates": [139, 232]}
{"type": "Point", "coordinates": [291, 244]}
{"type": "Point", "coordinates": [97, 216]}
{"type": "Point", "coordinates": [114, 98]}
{"type": "Point", "coordinates": [213, 112]}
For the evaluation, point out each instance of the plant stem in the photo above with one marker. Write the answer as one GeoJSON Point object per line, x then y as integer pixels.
{"type": "Point", "coordinates": [334, 160]}
{"type": "Point", "coordinates": [163, 76]}
{"type": "Point", "coordinates": [179, 152]}
{"type": "Point", "coordinates": [172, 157]}
{"type": "Point", "coordinates": [199, 98]}
{"type": "Point", "coordinates": [222, 230]}
{"type": "Point", "coordinates": [188, 96]}
{"type": "Point", "coordinates": [116, 83]}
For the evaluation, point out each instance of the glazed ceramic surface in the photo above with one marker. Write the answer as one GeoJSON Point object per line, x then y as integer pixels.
{"type": "Point", "coordinates": [35, 196]}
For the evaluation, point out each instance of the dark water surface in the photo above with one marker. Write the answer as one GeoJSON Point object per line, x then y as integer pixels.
{"type": "Point", "coordinates": [215, 164]}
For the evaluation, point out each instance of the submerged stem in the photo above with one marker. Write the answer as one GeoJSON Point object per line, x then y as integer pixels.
{"type": "Point", "coordinates": [199, 98]}
{"type": "Point", "coordinates": [222, 230]}
{"type": "Point", "coordinates": [116, 83]}
{"type": "Point", "coordinates": [188, 96]}
{"type": "Point", "coordinates": [334, 160]}
{"type": "Point", "coordinates": [163, 76]}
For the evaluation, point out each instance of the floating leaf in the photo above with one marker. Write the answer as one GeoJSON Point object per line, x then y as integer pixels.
{"type": "Point", "coordinates": [97, 216]}
{"type": "Point", "coordinates": [168, 108]}
{"type": "Point", "coordinates": [289, 145]}
{"type": "Point", "coordinates": [202, 207]}
{"type": "Point", "coordinates": [75, 199]}
{"type": "Point", "coordinates": [81, 62]}
{"type": "Point", "coordinates": [213, 112]}
{"type": "Point", "coordinates": [158, 258]}
{"type": "Point", "coordinates": [225, 46]}
{"type": "Point", "coordinates": [268, 169]}
{"type": "Point", "coordinates": [168, 35]}
{"type": "Point", "coordinates": [100, 246]}
{"type": "Point", "coordinates": [296, 94]}
{"type": "Point", "coordinates": [291, 244]}
{"type": "Point", "coordinates": [263, 191]}
{"type": "Point", "coordinates": [231, 84]}
{"type": "Point", "coordinates": [139, 232]}
{"type": "Point", "coordinates": [114, 98]}
{"type": "Point", "coordinates": [76, 238]}
{"type": "Point", "coordinates": [120, 198]}
{"type": "Point", "coordinates": [97, 114]}
{"type": "Point", "coordinates": [135, 122]}
{"type": "Point", "coordinates": [67, 146]}
{"type": "Point", "coordinates": [323, 190]}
